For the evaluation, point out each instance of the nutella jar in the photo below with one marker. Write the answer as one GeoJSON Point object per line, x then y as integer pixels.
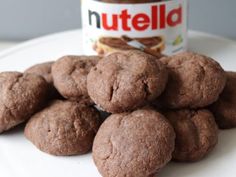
{"type": "Point", "coordinates": [159, 26]}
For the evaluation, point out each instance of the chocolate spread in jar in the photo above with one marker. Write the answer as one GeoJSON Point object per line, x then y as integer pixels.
{"type": "Point", "coordinates": [116, 44]}
{"type": "Point", "coordinates": [160, 25]}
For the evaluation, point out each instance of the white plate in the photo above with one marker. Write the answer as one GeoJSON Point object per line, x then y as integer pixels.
{"type": "Point", "coordinates": [20, 158]}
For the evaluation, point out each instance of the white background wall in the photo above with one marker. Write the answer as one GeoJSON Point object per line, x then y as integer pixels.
{"type": "Point", "coordinates": [24, 19]}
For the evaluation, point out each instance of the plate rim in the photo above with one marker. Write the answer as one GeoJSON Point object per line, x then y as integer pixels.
{"type": "Point", "coordinates": [49, 37]}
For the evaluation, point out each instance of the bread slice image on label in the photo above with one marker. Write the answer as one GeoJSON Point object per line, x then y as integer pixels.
{"type": "Point", "coordinates": [107, 44]}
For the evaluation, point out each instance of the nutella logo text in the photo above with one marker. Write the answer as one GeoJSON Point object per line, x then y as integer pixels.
{"type": "Point", "coordinates": [158, 19]}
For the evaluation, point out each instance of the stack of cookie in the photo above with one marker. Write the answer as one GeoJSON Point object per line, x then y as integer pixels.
{"type": "Point", "coordinates": [137, 141]}
{"type": "Point", "coordinates": [158, 108]}
{"type": "Point", "coordinates": [69, 123]}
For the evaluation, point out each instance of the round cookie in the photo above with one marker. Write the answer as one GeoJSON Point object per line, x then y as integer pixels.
{"type": "Point", "coordinates": [137, 144]}
{"type": "Point", "coordinates": [224, 108]}
{"type": "Point", "coordinates": [123, 81]}
{"type": "Point", "coordinates": [64, 128]}
{"type": "Point", "coordinates": [195, 81]}
{"type": "Point", "coordinates": [196, 134]}
{"type": "Point", "coordinates": [21, 95]}
{"type": "Point", "coordinates": [44, 70]}
{"type": "Point", "coordinates": [70, 76]}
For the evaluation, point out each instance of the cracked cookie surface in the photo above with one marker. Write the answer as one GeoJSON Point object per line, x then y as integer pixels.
{"type": "Point", "coordinates": [126, 80]}
{"type": "Point", "coordinates": [64, 128]}
{"type": "Point", "coordinates": [137, 144]}
{"type": "Point", "coordinates": [195, 81]}
{"type": "Point", "coordinates": [196, 134]}
{"type": "Point", "coordinates": [70, 76]}
{"type": "Point", "coordinates": [21, 95]}
{"type": "Point", "coordinates": [224, 108]}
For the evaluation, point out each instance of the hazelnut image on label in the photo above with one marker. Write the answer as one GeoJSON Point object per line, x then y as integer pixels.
{"type": "Point", "coordinates": [21, 95]}
{"type": "Point", "coordinates": [137, 143]}
{"type": "Point", "coordinates": [70, 76]}
{"type": "Point", "coordinates": [224, 108]}
{"type": "Point", "coordinates": [195, 81]}
{"type": "Point", "coordinates": [64, 128]}
{"type": "Point", "coordinates": [124, 81]}
{"type": "Point", "coordinates": [196, 134]}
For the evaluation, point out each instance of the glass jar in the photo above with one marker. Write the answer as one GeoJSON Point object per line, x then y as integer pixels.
{"type": "Point", "coordinates": [116, 25]}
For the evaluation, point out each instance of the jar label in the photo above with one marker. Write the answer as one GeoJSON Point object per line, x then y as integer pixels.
{"type": "Point", "coordinates": [159, 26]}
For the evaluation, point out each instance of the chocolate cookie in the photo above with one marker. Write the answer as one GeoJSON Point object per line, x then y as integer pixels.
{"type": "Point", "coordinates": [63, 128]}
{"type": "Point", "coordinates": [137, 144]}
{"type": "Point", "coordinates": [196, 134]}
{"type": "Point", "coordinates": [70, 76]}
{"type": "Point", "coordinates": [225, 108]}
{"type": "Point", "coordinates": [195, 81]}
{"type": "Point", "coordinates": [21, 95]}
{"type": "Point", "coordinates": [126, 80]}
{"type": "Point", "coordinates": [44, 70]}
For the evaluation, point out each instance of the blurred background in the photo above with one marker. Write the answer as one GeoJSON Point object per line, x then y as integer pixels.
{"type": "Point", "coordinates": [25, 19]}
